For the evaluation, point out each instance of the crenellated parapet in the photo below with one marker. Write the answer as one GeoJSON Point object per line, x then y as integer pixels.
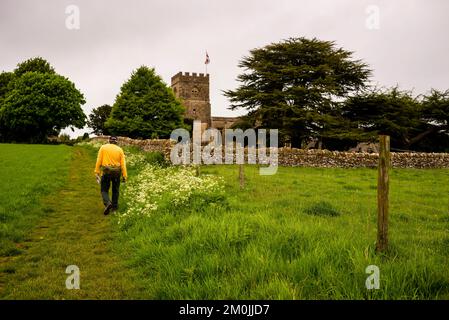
{"type": "Point", "coordinates": [193, 90]}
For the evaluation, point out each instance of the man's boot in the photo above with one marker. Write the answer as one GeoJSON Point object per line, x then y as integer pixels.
{"type": "Point", "coordinates": [107, 209]}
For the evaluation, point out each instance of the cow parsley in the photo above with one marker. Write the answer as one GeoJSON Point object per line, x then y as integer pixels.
{"type": "Point", "coordinates": [156, 188]}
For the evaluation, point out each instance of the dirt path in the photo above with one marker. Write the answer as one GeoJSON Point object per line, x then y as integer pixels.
{"type": "Point", "coordinates": [74, 233]}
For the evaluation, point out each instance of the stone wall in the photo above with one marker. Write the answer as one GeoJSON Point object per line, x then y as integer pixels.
{"type": "Point", "coordinates": [315, 158]}
{"type": "Point", "coordinates": [155, 145]}
{"type": "Point", "coordinates": [325, 158]}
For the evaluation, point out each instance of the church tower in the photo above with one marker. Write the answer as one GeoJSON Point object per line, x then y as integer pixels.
{"type": "Point", "coordinates": [193, 91]}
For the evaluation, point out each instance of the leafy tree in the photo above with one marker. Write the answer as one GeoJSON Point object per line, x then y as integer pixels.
{"type": "Point", "coordinates": [417, 123]}
{"type": "Point", "coordinates": [370, 113]}
{"type": "Point", "coordinates": [35, 102]}
{"type": "Point", "coordinates": [294, 85]}
{"type": "Point", "coordinates": [6, 81]}
{"type": "Point", "coordinates": [37, 64]}
{"type": "Point", "coordinates": [145, 107]}
{"type": "Point", "coordinates": [434, 114]}
{"type": "Point", "coordinates": [98, 118]}
{"type": "Point", "coordinates": [39, 105]}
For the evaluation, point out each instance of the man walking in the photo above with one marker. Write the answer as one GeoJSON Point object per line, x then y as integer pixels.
{"type": "Point", "coordinates": [111, 159]}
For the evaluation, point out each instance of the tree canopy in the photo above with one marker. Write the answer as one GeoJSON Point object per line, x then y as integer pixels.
{"type": "Point", "coordinates": [37, 64]}
{"type": "Point", "coordinates": [145, 107]}
{"type": "Point", "coordinates": [434, 113]}
{"type": "Point", "coordinates": [412, 122]}
{"type": "Point", "coordinates": [294, 85]}
{"type": "Point", "coordinates": [391, 111]}
{"type": "Point", "coordinates": [434, 129]}
{"type": "Point", "coordinates": [98, 118]}
{"type": "Point", "coordinates": [311, 89]}
{"type": "Point", "coordinates": [6, 80]}
{"type": "Point", "coordinates": [35, 102]}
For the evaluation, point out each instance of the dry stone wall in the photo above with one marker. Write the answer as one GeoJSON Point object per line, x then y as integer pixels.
{"type": "Point", "coordinates": [156, 145]}
{"type": "Point", "coordinates": [313, 157]}
{"type": "Point", "coordinates": [326, 158]}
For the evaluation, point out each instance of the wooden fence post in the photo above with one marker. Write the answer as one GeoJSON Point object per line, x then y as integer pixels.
{"type": "Point", "coordinates": [241, 176]}
{"type": "Point", "coordinates": [383, 185]}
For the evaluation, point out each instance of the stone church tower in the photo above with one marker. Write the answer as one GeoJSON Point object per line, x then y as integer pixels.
{"type": "Point", "coordinates": [193, 91]}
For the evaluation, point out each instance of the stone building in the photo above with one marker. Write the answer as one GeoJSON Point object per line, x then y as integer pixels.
{"type": "Point", "coordinates": [223, 122]}
{"type": "Point", "coordinates": [193, 91]}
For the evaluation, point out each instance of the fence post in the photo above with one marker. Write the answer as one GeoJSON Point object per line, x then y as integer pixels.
{"type": "Point", "coordinates": [241, 176]}
{"type": "Point", "coordinates": [383, 185]}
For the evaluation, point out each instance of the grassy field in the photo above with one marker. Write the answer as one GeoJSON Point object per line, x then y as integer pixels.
{"type": "Point", "coordinates": [27, 173]}
{"type": "Point", "coordinates": [63, 225]}
{"type": "Point", "coordinates": [304, 233]}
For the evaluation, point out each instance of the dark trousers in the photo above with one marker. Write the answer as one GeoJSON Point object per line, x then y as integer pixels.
{"type": "Point", "coordinates": [106, 181]}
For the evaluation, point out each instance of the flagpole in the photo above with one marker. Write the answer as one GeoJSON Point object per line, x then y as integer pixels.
{"type": "Point", "coordinates": [207, 61]}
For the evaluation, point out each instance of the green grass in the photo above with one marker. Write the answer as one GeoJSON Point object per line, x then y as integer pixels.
{"type": "Point", "coordinates": [304, 233]}
{"type": "Point", "coordinates": [73, 232]}
{"type": "Point", "coordinates": [27, 172]}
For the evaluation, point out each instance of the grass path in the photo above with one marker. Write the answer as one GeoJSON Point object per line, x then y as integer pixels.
{"type": "Point", "coordinates": [75, 232]}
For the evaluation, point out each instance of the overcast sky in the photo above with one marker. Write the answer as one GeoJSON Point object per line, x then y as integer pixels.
{"type": "Point", "coordinates": [409, 46]}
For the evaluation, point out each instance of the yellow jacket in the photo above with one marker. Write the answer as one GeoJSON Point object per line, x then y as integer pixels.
{"type": "Point", "coordinates": [111, 155]}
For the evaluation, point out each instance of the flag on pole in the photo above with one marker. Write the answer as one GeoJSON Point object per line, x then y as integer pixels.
{"type": "Point", "coordinates": [207, 59]}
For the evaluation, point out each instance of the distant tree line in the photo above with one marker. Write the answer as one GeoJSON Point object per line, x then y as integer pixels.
{"type": "Point", "coordinates": [307, 88]}
{"type": "Point", "coordinates": [310, 89]}
{"type": "Point", "coordinates": [36, 103]}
